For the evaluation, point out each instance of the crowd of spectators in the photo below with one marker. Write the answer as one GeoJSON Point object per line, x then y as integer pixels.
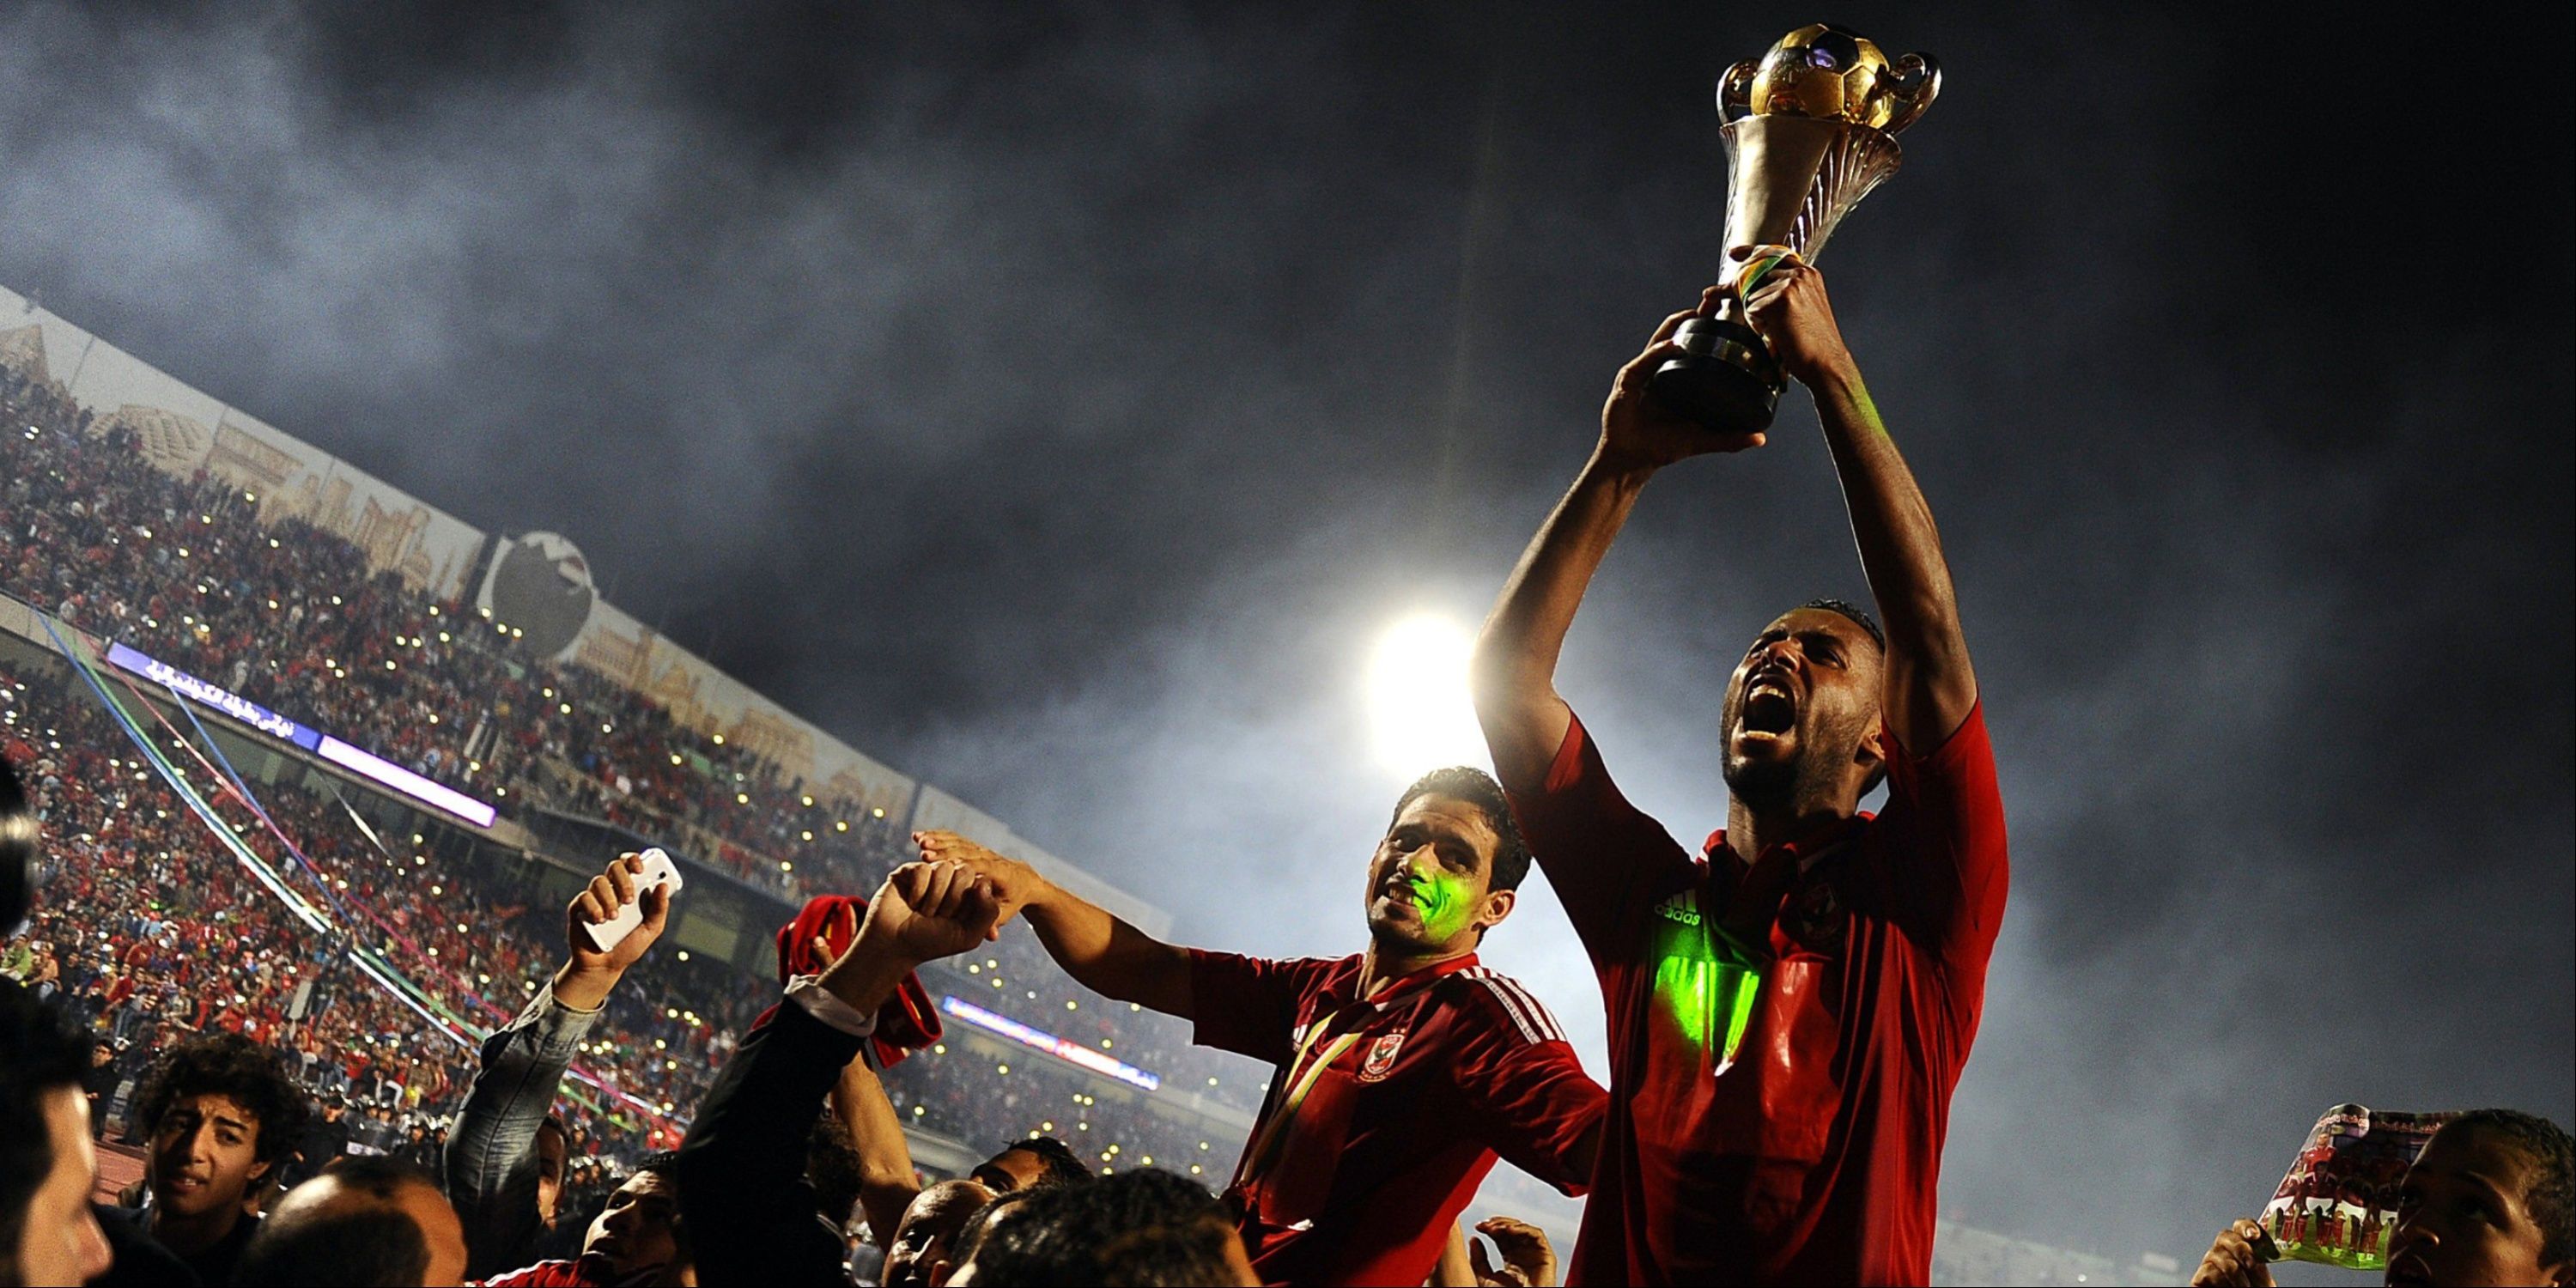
{"type": "Point", "coordinates": [290, 616]}
{"type": "Point", "coordinates": [154, 932]}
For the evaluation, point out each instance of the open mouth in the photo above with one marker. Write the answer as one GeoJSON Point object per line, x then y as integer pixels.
{"type": "Point", "coordinates": [1769, 707]}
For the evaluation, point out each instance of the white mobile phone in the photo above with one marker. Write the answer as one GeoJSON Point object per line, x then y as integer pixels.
{"type": "Point", "coordinates": [659, 870]}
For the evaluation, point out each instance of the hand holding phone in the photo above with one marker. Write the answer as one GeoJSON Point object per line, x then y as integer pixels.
{"type": "Point", "coordinates": [659, 872]}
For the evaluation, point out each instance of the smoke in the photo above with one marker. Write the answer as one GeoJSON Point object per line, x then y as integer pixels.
{"type": "Point", "coordinates": [1058, 404]}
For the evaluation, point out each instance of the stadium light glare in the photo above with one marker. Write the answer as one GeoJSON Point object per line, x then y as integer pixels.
{"type": "Point", "coordinates": [879, 811]}
{"type": "Point", "coordinates": [1419, 713]}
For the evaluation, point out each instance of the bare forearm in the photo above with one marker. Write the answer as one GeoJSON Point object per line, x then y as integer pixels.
{"type": "Point", "coordinates": [1930, 686]}
{"type": "Point", "coordinates": [1514, 669]}
{"type": "Point", "coordinates": [886, 1179]}
{"type": "Point", "coordinates": [1110, 957]}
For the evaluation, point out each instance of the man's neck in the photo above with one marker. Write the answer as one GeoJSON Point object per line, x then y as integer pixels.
{"type": "Point", "coordinates": [190, 1235]}
{"type": "Point", "coordinates": [1381, 965]}
{"type": "Point", "coordinates": [1749, 831]}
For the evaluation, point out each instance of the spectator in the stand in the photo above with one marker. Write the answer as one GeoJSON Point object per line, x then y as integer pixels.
{"type": "Point", "coordinates": [366, 1221]}
{"type": "Point", "coordinates": [325, 1139]}
{"type": "Point", "coordinates": [48, 1234]}
{"type": "Point", "coordinates": [220, 1115]}
{"type": "Point", "coordinates": [98, 1083]}
{"type": "Point", "coordinates": [2490, 1200]}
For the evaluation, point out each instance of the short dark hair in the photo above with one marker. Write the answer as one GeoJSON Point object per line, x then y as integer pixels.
{"type": "Point", "coordinates": [228, 1064]}
{"type": "Point", "coordinates": [970, 1236]}
{"type": "Point", "coordinates": [2552, 1155]}
{"type": "Point", "coordinates": [1856, 613]}
{"type": "Point", "coordinates": [1063, 1166]}
{"type": "Point", "coordinates": [663, 1163]}
{"type": "Point", "coordinates": [1477, 788]}
{"type": "Point", "coordinates": [373, 1246]}
{"type": "Point", "coordinates": [1140, 1228]}
{"type": "Point", "coordinates": [39, 1052]}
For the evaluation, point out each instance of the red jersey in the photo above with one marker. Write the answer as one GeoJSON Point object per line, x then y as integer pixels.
{"type": "Point", "coordinates": [1777, 1117]}
{"type": "Point", "coordinates": [1385, 1113]}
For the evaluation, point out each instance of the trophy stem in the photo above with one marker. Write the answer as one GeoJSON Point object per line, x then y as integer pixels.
{"type": "Point", "coordinates": [1725, 377]}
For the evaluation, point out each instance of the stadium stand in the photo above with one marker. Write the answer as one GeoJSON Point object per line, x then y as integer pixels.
{"type": "Point", "coordinates": [154, 931]}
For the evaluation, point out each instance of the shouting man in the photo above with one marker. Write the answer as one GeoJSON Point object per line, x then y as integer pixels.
{"type": "Point", "coordinates": [1791, 1003]}
{"type": "Point", "coordinates": [1401, 1071]}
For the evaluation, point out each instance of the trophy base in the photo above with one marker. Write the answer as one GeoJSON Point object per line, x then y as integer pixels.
{"type": "Point", "coordinates": [1725, 378]}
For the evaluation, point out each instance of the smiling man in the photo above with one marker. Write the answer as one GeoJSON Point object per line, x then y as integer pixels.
{"type": "Point", "coordinates": [1791, 1004]}
{"type": "Point", "coordinates": [1400, 1072]}
{"type": "Point", "coordinates": [220, 1113]}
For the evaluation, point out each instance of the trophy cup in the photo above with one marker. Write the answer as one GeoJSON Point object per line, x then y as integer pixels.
{"type": "Point", "coordinates": [1810, 129]}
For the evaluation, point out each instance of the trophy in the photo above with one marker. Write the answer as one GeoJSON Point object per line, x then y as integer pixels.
{"type": "Point", "coordinates": [1810, 129]}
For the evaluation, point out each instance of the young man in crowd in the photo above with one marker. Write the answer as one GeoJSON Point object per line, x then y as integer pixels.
{"type": "Point", "coordinates": [48, 1234]}
{"type": "Point", "coordinates": [495, 1165]}
{"type": "Point", "coordinates": [1401, 1071]}
{"type": "Point", "coordinates": [365, 1221]}
{"type": "Point", "coordinates": [1791, 1003]}
{"type": "Point", "coordinates": [2490, 1201]}
{"type": "Point", "coordinates": [219, 1115]}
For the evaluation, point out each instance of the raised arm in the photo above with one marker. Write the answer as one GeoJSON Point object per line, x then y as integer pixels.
{"type": "Point", "coordinates": [743, 1189]}
{"type": "Point", "coordinates": [1929, 686]}
{"type": "Point", "coordinates": [491, 1160]}
{"type": "Point", "coordinates": [1102, 952]}
{"type": "Point", "coordinates": [1514, 668]}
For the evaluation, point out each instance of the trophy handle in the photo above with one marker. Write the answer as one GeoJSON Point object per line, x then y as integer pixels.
{"type": "Point", "coordinates": [1915, 81]}
{"type": "Point", "coordinates": [1735, 90]}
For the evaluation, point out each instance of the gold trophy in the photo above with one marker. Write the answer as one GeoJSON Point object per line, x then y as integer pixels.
{"type": "Point", "coordinates": [1810, 129]}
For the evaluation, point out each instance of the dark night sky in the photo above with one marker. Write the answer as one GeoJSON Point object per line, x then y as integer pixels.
{"type": "Point", "coordinates": [1057, 404]}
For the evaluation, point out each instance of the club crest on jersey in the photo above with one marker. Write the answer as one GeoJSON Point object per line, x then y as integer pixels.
{"type": "Point", "coordinates": [1381, 1057]}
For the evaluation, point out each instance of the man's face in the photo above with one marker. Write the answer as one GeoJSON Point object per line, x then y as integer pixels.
{"type": "Point", "coordinates": [101, 1054]}
{"type": "Point", "coordinates": [550, 1173]}
{"type": "Point", "coordinates": [1012, 1169]}
{"type": "Point", "coordinates": [636, 1230]}
{"type": "Point", "coordinates": [928, 1229]}
{"type": "Point", "coordinates": [1428, 884]}
{"type": "Point", "coordinates": [204, 1155]}
{"type": "Point", "coordinates": [1799, 707]}
{"type": "Point", "coordinates": [2462, 1218]}
{"type": "Point", "coordinates": [58, 1240]}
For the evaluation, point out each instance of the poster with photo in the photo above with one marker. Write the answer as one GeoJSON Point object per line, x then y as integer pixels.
{"type": "Point", "coordinates": [2338, 1205]}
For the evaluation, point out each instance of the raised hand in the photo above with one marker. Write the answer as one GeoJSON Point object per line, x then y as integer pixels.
{"type": "Point", "coordinates": [1014, 884]}
{"type": "Point", "coordinates": [2232, 1262]}
{"type": "Point", "coordinates": [926, 911]}
{"type": "Point", "coordinates": [1529, 1260]}
{"type": "Point", "coordinates": [1786, 304]}
{"type": "Point", "coordinates": [589, 973]}
{"type": "Point", "coordinates": [1637, 432]}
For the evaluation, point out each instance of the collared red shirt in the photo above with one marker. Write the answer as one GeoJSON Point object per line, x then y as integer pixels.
{"type": "Point", "coordinates": [1780, 1082]}
{"type": "Point", "coordinates": [1386, 1112]}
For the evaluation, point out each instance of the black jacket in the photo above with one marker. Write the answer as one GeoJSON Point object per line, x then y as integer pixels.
{"type": "Point", "coordinates": [750, 1212]}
